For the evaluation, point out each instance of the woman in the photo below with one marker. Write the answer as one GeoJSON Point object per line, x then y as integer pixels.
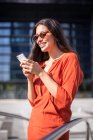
{"type": "Point", "coordinates": [53, 73]}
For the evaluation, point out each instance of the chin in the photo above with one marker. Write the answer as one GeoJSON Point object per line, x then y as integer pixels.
{"type": "Point", "coordinates": [44, 49]}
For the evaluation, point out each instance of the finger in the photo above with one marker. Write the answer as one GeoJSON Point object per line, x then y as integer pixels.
{"type": "Point", "coordinates": [27, 62]}
{"type": "Point", "coordinates": [24, 61]}
{"type": "Point", "coordinates": [30, 61]}
{"type": "Point", "coordinates": [25, 72]}
{"type": "Point", "coordinates": [25, 67]}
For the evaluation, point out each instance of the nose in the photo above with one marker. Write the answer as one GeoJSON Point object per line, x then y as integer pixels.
{"type": "Point", "coordinates": [39, 39]}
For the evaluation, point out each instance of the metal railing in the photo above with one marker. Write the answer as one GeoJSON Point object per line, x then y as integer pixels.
{"type": "Point", "coordinates": [60, 131]}
{"type": "Point", "coordinates": [6, 129]}
{"type": "Point", "coordinates": [11, 115]}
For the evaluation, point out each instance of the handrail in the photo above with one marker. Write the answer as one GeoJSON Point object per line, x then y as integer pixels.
{"type": "Point", "coordinates": [57, 133]}
{"type": "Point", "coordinates": [60, 131]}
{"type": "Point", "coordinates": [13, 116]}
{"type": "Point", "coordinates": [88, 112]}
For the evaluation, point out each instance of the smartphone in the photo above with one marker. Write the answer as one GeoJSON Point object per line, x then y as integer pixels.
{"type": "Point", "coordinates": [21, 57]}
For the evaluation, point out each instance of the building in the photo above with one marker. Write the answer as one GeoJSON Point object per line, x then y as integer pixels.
{"type": "Point", "coordinates": [17, 18]}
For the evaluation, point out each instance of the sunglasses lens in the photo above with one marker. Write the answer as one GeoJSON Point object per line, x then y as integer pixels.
{"type": "Point", "coordinates": [41, 35]}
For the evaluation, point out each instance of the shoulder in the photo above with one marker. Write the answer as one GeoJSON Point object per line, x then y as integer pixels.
{"type": "Point", "coordinates": [70, 59]}
{"type": "Point", "coordinates": [70, 56]}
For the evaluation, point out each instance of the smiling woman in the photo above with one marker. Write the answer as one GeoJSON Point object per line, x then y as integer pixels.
{"type": "Point", "coordinates": [46, 43]}
{"type": "Point", "coordinates": [54, 74]}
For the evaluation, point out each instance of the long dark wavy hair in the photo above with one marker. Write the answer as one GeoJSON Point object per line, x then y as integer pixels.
{"type": "Point", "coordinates": [55, 28]}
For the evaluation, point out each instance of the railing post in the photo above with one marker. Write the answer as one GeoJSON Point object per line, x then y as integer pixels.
{"type": "Point", "coordinates": [89, 131]}
{"type": "Point", "coordinates": [87, 134]}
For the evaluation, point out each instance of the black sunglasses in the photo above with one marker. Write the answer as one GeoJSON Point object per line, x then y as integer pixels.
{"type": "Point", "coordinates": [42, 35]}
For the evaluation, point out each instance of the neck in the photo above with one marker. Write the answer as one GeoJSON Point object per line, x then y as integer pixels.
{"type": "Point", "coordinates": [54, 54]}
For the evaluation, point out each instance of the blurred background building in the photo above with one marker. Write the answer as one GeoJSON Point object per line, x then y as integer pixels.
{"type": "Point", "coordinates": [17, 18]}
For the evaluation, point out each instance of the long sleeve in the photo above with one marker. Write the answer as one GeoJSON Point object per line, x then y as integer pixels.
{"type": "Point", "coordinates": [72, 76]}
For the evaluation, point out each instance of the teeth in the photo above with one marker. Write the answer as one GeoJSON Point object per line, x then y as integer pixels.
{"type": "Point", "coordinates": [42, 45]}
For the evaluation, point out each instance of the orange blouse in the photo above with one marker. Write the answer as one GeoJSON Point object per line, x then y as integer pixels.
{"type": "Point", "coordinates": [48, 112]}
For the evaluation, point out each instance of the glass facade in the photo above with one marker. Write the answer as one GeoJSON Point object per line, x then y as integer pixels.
{"type": "Point", "coordinates": [19, 43]}
{"type": "Point", "coordinates": [5, 51]}
{"type": "Point", "coordinates": [84, 47]}
{"type": "Point", "coordinates": [15, 38]}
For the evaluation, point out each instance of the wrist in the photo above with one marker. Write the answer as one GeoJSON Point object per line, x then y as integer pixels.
{"type": "Point", "coordinates": [41, 73]}
{"type": "Point", "coordinates": [30, 78]}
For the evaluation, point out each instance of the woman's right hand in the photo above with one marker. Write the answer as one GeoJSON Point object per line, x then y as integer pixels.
{"type": "Point", "coordinates": [24, 67]}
